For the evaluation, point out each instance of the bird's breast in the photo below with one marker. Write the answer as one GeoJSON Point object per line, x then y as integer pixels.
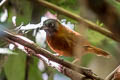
{"type": "Point", "coordinates": [60, 45]}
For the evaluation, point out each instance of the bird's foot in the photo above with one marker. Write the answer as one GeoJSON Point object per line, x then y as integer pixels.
{"type": "Point", "coordinates": [57, 55]}
{"type": "Point", "coordinates": [29, 51]}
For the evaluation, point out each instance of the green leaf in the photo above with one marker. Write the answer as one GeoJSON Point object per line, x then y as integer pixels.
{"type": "Point", "coordinates": [99, 23]}
{"type": "Point", "coordinates": [34, 72]}
{"type": "Point", "coordinates": [15, 67]}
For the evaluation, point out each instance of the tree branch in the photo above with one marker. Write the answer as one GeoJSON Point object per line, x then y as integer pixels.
{"type": "Point", "coordinates": [115, 75]}
{"type": "Point", "coordinates": [117, 0]}
{"type": "Point", "coordinates": [78, 18]}
{"type": "Point", "coordinates": [2, 3]}
{"type": "Point", "coordinates": [66, 71]}
{"type": "Point", "coordinates": [107, 13]}
{"type": "Point", "coordinates": [87, 72]}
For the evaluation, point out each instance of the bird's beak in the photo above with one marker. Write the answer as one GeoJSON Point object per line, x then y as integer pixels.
{"type": "Point", "coordinates": [43, 27]}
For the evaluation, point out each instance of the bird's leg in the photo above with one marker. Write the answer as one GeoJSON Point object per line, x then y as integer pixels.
{"type": "Point", "coordinates": [76, 61]}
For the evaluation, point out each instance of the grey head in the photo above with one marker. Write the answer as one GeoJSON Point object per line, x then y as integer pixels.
{"type": "Point", "coordinates": [50, 26]}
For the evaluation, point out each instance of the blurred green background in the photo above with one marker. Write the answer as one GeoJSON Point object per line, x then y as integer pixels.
{"type": "Point", "coordinates": [21, 67]}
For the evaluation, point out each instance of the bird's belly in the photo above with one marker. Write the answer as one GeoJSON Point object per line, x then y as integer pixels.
{"type": "Point", "coordinates": [60, 47]}
{"type": "Point", "coordinates": [64, 50]}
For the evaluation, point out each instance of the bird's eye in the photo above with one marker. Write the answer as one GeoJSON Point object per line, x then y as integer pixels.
{"type": "Point", "coordinates": [51, 24]}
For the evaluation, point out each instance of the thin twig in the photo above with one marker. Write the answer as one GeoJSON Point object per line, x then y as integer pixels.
{"type": "Point", "coordinates": [111, 75]}
{"type": "Point", "coordinates": [2, 3]}
{"type": "Point", "coordinates": [27, 67]}
{"type": "Point", "coordinates": [78, 18]}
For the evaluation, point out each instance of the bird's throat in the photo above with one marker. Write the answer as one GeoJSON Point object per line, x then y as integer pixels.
{"type": "Point", "coordinates": [50, 32]}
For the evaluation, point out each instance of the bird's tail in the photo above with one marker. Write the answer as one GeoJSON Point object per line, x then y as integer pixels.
{"type": "Point", "coordinates": [97, 51]}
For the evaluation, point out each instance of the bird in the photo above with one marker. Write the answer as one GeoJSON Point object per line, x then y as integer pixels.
{"type": "Point", "coordinates": [67, 42]}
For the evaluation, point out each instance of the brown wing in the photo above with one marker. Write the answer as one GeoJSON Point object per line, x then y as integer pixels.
{"type": "Point", "coordinates": [77, 42]}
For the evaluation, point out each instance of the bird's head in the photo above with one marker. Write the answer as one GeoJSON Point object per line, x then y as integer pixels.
{"type": "Point", "coordinates": [50, 26]}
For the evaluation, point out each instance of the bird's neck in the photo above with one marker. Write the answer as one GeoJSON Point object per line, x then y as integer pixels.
{"type": "Point", "coordinates": [50, 32]}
